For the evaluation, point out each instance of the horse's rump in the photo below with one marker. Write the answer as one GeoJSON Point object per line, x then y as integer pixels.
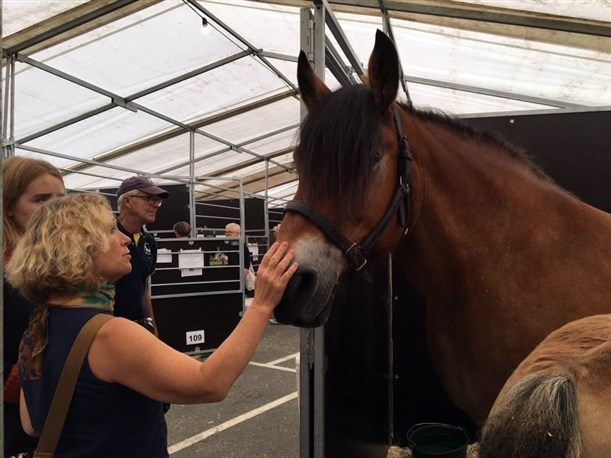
{"type": "Point", "coordinates": [535, 418]}
{"type": "Point", "coordinates": [556, 403]}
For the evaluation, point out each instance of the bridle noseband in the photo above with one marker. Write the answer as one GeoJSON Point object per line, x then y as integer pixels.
{"type": "Point", "coordinates": [355, 252]}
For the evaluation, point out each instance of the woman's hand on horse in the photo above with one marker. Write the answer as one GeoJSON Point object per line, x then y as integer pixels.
{"type": "Point", "coordinates": [274, 273]}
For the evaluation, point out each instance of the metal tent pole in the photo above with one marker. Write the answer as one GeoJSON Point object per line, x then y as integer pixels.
{"type": "Point", "coordinates": [312, 342]}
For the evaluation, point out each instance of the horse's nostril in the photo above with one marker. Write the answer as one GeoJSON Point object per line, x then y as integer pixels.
{"type": "Point", "coordinates": [298, 293]}
{"type": "Point", "coordinates": [299, 284]}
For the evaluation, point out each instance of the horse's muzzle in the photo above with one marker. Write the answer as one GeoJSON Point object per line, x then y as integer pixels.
{"type": "Point", "coordinates": [301, 305]}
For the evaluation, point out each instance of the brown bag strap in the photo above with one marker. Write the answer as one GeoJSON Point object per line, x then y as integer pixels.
{"type": "Point", "coordinates": [65, 388]}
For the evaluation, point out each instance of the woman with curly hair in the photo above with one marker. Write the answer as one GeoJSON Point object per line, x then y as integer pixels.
{"type": "Point", "coordinates": [66, 263]}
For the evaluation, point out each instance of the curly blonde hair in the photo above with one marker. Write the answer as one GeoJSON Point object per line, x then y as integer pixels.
{"type": "Point", "coordinates": [55, 255]}
{"type": "Point", "coordinates": [17, 174]}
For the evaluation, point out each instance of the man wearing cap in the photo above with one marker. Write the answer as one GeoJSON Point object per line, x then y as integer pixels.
{"type": "Point", "coordinates": [139, 199]}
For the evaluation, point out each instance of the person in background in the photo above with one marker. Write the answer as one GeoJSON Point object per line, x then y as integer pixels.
{"type": "Point", "coordinates": [273, 238]}
{"type": "Point", "coordinates": [233, 230]}
{"type": "Point", "coordinates": [182, 229]}
{"type": "Point", "coordinates": [66, 263]}
{"type": "Point", "coordinates": [26, 185]}
{"type": "Point", "coordinates": [139, 200]}
{"type": "Point", "coordinates": [274, 233]}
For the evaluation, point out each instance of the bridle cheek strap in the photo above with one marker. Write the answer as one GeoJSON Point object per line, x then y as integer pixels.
{"type": "Point", "coordinates": [355, 252]}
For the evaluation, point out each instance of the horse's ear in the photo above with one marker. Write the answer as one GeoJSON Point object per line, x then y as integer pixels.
{"type": "Point", "coordinates": [384, 71]}
{"type": "Point", "coordinates": [313, 90]}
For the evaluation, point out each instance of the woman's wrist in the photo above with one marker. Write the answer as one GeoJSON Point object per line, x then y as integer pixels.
{"type": "Point", "coordinates": [262, 310]}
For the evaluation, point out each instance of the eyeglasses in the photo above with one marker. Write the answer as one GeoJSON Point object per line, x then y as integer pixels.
{"type": "Point", "coordinates": [152, 200]}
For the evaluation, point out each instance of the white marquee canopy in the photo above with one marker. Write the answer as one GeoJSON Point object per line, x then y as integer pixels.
{"type": "Point", "coordinates": [187, 90]}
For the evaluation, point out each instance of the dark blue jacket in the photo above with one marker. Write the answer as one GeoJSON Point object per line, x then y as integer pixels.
{"type": "Point", "coordinates": [129, 289]}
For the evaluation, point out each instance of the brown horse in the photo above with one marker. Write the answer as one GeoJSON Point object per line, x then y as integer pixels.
{"type": "Point", "coordinates": [501, 254]}
{"type": "Point", "coordinates": [557, 402]}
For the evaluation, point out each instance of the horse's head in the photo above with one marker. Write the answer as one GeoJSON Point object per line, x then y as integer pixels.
{"type": "Point", "coordinates": [353, 167]}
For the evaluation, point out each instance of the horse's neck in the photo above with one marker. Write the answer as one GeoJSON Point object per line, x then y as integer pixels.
{"type": "Point", "coordinates": [500, 255]}
{"type": "Point", "coordinates": [475, 205]}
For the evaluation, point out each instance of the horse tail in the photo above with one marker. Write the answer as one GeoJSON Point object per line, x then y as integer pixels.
{"type": "Point", "coordinates": [536, 418]}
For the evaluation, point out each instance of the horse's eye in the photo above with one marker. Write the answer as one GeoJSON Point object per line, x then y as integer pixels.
{"type": "Point", "coordinates": [377, 156]}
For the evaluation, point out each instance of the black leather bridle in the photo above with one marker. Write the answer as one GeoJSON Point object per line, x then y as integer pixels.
{"type": "Point", "coordinates": [355, 252]}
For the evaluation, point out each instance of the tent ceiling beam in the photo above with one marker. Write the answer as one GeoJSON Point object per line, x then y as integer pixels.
{"type": "Point", "coordinates": [228, 171]}
{"type": "Point", "coordinates": [229, 192]}
{"type": "Point", "coordinates": [161, 116]}
{"type": "Point", "coordinates": [174, 132]}
{"type": "Point", "coordinates": [334, 63]}
{"type": "Point", "coordinates": [89, 174]}
{"type": "Point", "coordinates": [191, 74]}
{"type": "Point", "coordinates": [547, 111]}
{"type": "Point", "coordinates": [335, 28]}
{"type": "Point", "coordinates": [274, 180]}
{"type": "Point", "coordinates": [71, 23]}
{"type": "Point", "coordinates": [93, 162]}
{"type": "Point", "coordinates": [255, 51]}
{"type": "Point", "coordinates": [116, 99]}
{"type": "Point", "coordinates": [235, 147]}
{"type": "Point", "coordinates": [224, 150]}
{"type": "Point", "coordinates": [507, 17]}
{"type": "Point", "coordinates": [131, 105]}
{"type": "Point", "coordinates": [275, 55]}
{"type": "Point", "coordinates": [388, 30]}
{"type": "Point", "coordinates": [251, 184]}
{"type": "Point", "coordinates": [275, 202]}
{"type": "Point", "coordinates": [474, 12]}
{"type": "Point", "coordinates": [335, 67]}
{"type": "Point", "coordinates": [66, 123]}
{"type": "Point", "coordinates": [492, 92]}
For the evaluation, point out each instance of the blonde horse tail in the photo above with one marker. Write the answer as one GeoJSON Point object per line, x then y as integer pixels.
{"type": "Point", "coordinates": [536, 418]}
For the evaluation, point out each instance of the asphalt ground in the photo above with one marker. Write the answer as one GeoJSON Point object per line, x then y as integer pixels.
{"type": "Point", "coordinates": [258, 419]}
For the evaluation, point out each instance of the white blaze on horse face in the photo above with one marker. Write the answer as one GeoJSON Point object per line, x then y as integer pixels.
{"type": "Point", "coordinates": [316, 253]}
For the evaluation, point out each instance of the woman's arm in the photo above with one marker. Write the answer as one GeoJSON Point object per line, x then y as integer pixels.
{"type": "Point", "coordinates": [26, 424]}
{"type": "Point", "coordinates": [125, 353]}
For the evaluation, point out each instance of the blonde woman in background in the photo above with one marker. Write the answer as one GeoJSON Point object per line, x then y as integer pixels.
{"type": "Point", "coordinates": [26, 185]}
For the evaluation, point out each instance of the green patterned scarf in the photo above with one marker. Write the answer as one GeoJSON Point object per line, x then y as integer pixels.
{"type": "Point", "coordinates": [34, 341]}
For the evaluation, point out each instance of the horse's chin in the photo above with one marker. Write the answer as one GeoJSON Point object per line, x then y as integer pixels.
{"type": "Point", "coordinates": [306, 302]}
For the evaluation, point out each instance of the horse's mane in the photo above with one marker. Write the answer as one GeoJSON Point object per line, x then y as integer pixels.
{"type": "Point", "coordinates": [486, 137]}
{"type": "Point", "coordinates": [339, 139]}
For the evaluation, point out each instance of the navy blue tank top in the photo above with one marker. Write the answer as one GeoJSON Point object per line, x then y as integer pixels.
{"type": "Point", "coordinates": [104, 419]}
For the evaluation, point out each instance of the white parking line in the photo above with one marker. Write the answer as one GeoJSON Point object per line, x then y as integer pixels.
{"type": "Point", "coordinates": [269, 366]}
{"type": "Point", "coordinates": [281, 360]}
{"type": "Point", "coordinates": [228, 424]}
{"type": "Point", "coordinates": [272, 364]}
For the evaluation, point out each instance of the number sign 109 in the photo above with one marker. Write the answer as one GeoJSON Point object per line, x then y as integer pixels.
{"type": "Point", "coordinates": [195, 337]}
